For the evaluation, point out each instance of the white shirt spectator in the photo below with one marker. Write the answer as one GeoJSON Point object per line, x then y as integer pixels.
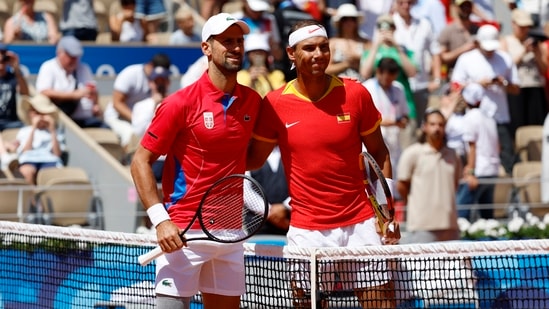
{"type": "Point", "coordinates": [132, 81]}
{"type": "Point", "coordinates": [432, 10]}
{"type": "Point", "coordinates": [132, 32]}
{"type": "Point", "coordinates": [473, 66]}
{"type": "Point", "coordinates": [420, 39]}
{"type": "Point", "coordinates": [142, 114]}
{"type": "Point", "coordinates": [392, 105]}
{"type": "Point", "coordinates": [482, 130]}
{"type": "Point", "coordinates": [52, 76]}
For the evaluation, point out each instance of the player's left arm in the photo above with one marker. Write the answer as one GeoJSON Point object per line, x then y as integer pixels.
{"type": "Point", "coordinates": [375, 145]}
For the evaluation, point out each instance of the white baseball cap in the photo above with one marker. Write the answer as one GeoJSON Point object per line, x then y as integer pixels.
{"type": "Point", "coordinates": [472, 94]}
{"type": "Point", "coordinates": [488, 37]}
{"type": "Point", "coordinates": [217, 24]}
{"type": "Point", "coordinates": [257, 41]}
{"type": "Point", "coordinates": [259, 5]}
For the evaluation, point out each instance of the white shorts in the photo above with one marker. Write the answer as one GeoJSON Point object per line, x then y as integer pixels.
{"type": "Point", "coordinates": [347, 274]}
{"type": "Point", "coordinates": [205, 266]}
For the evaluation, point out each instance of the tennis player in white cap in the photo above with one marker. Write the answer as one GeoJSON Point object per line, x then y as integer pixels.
{"type": "Point", "coordinates": [204, 130]}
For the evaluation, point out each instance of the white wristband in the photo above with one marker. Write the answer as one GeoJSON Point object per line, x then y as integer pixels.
{"type": "Point", "coordinates": [157, 213]}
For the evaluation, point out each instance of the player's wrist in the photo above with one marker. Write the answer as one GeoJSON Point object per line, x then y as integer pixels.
{"type": "Point", "coordinates": [157, 214]}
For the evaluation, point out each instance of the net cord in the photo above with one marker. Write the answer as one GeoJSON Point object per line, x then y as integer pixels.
{"type": "Point", "coordinates": [473, 248]}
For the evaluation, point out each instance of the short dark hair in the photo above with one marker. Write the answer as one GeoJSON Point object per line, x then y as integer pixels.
{"type": "Point", "coordinates": [127, 2]}
{"type": "Point", "coordinates": [161, 60]}
{"type": "Point", "coordinates": [428, 112]}
{"type": "Point", "coordinates": [387, 64]}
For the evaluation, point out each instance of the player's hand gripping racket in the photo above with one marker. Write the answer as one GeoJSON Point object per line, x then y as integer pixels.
{"type": "Point", "coordinates": [379, 194]}
{"type": "Point", "coordinates": [224, 213]}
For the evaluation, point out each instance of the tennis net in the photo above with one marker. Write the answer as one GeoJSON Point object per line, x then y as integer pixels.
{"type": "Point", "coordinates": [58, 267]}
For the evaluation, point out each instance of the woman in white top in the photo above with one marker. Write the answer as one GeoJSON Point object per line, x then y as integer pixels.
{"type": "Point", "coordinates": [347, 46]}
{"type": "Point", "coordinates": [40, 142]}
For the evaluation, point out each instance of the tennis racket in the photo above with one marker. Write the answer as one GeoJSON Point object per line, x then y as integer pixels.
{"type": "Point", "coordinates": [380, 194]}
{"type": "Point", "coordinates": [233, 209]}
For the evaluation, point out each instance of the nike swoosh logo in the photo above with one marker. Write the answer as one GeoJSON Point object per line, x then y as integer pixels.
{"type": "Point", "coordinates": [313, 30]}
{"type": "Point", "coordinates": [288, 125]}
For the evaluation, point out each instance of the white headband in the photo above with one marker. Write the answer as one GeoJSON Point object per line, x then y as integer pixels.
{"type": "Point", "coordinates": [306, 33]}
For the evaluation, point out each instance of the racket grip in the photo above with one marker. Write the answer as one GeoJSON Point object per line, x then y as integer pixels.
{"type": "Point", "coordinates": [148, 257]}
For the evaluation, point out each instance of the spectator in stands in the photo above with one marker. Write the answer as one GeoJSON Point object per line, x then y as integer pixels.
{"type": "Point", "coordinates": [457, 37]}
{"type": "Point", "coordinates": [131, 86]}
{"type": "Point", "coordinates": [257, 14]}
{"type": "Point", "coordinates": [12, 83]}
{"type": "Point", "coordinates": [347, 45]}
{"type": "Point", "coordinates": [125, 27]}
{"type": "Point", "coordinates": [496, 72]}
{"type": "Point", "coordinates": [78, 19]}
{"type": "Point", "coordinates": [390, 100]}
{"type": "Point", "coordinates": [428, 175]}
{"type": "Point", "coordinates": [40, 143]}
{"type": "Point", "coordinates": [481, 136]}
{"type": "Point", "coordinates": [28, 25]}
{"type": "Point", "coordinates": [259, 74]}
{"type": "Point", "coordinates": [152, 12]}
{"type": "Point", "coordinates": [70, 84]}
{"type": "Point", "coordinates": [416, 35]}
{"type": "Point", "coordinates": [144, 110]}
{"type": "Point", "coordinates": [530, 56]}
{"type": "Point", "coordinates": [432, 10]}
{"type": "Point", "coordinates": [185, 27]}
{"type": "Point", "coordinates": [385, 45]}
{"type": "Point", "coordinates": [372, 10]}
{"type": "Point", "coordinates": [209, 8]}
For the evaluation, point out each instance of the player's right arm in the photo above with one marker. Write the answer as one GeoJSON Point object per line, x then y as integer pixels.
{"type": "Point", "coordinates": [145, 183]}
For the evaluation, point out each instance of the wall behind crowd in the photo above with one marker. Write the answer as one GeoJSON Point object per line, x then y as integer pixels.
{"type": "Point", "coordinates": [109, 60]}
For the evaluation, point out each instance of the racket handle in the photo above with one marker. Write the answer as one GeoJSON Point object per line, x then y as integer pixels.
{"type": "Point", "coordinates": [148, 257]}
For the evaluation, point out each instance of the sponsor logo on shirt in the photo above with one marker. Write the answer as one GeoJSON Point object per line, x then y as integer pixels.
{"type": "Point", "coordinates": [208, 120]}
{"type": "Point", "coordinates": [288, 125]}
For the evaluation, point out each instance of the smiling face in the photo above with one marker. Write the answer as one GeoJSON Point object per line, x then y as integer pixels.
{"type": "Point", "coordinates": [226, 50]}
{"type": "Point", "coordinates": [311, 56]}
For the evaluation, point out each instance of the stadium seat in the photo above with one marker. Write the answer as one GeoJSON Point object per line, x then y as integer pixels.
{"type": "Point", "coordinates": [66, 197]}
{"type": "Point", "coordinates": [16, 195]}
{"type": "Point", "coordinates": [527, 179]}
{"type": "Point", "coordinates": [502, 196]}
{"type": "Point", "coordinates": [108, 140]}
{"type": "Point", "coordinates": [9, 134]}
{"type": "Point", "coordinates": [160, 38]}
{"type": "Point", "coordinates": [528, 142]}
{"type": "Point", "coordinates": [102, 15]}
{"type": "Point", "coordinates": [5, 13]}
{"type": "Point", "coordinates": [9, 4]}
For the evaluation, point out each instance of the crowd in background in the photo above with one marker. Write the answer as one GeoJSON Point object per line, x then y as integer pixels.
{"type": "Point", "coordinates": [412, 56]}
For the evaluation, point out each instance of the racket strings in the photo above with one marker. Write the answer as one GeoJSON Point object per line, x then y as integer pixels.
{"type": "Point", "coordinates": [380, 190]}
{"type": "Point", "coordinates": [233, 210]}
